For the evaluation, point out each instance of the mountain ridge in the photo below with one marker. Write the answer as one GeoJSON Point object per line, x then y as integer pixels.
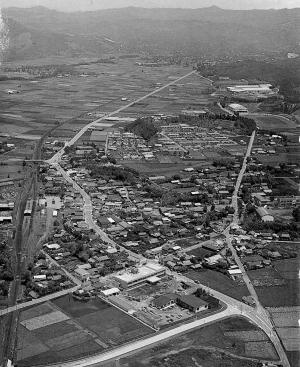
{"type": "Point", "coordinates": [209, 31]}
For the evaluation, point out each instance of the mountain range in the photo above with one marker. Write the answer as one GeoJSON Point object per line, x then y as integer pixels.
{"type": "Point", "coordinates": [41, 32]}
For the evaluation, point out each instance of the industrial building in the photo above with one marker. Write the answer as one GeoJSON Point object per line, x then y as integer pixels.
{"type": "Point", "coordinates": [252, 92]}
{"type": "Point", "coordinates": [139, 275]}
{"type": "Point", "coordinates": [255, 88]}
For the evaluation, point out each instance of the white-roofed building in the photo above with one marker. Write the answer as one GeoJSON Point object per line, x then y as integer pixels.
{"type": "Point", "coordinates": [265, 216]}
{"type": "Point", "coordinates": [139, 274]}
{"type": "Point", "coordinates": [110, 292]}
{"type": "Point", "coordinates": [237, 108]}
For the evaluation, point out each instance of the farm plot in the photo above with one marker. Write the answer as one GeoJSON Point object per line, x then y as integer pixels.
{"type": "Point", "coordinates": [289, 269]}
{"type": "Point", "coordinates": [66, 329]}
{"type": "Point", "coordinates": [44, 320]}
{"type": "Point", "coordinates": [266, 277]}
{"type": "Point", "coordinates": [286, 321]}
{"type": "Point", "coordinates": [274, 122]}
{"type": "Point", "coordinates": [279, 296]}
{"type": "Point", "coordinates": [76, 308]}
{"type": "Point", "coordinates": [260, 350]}
{"type": "Point", "coordinates": [219, 282]}
{"type": "Point", "coordinates": [68, 340]}
{"type": "Point", "coordinates": [285, 316]}
{"type": "Point", "coordinates": [208, 346]}
{"type": "Point", "coordinates": [113, 326]}
{"type": "Point", "coordinates": [36, 311]}
{"type": "Point", "coordinates": [247, 336]}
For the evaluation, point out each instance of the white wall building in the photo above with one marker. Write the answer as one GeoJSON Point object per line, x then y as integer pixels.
{"type": "Point", "coordinates": [139, 275]}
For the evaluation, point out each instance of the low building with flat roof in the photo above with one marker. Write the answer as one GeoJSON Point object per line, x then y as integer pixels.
{"type": "Point", "coordinates": [164, 301]}
{"type": "Point", "coordinates": [237, 108]}
{"type": "Point", "coordinates": [110, 292]}
{"type": "Point", "coordinates": [139, 274]}
{"type": "Point", "coordinates": [192, 303]}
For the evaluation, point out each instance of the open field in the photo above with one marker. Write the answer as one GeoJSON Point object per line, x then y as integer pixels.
{"type": "Point", "coordinates": [267, 277]}
{"type": "Point", "coordinates": [165, 169]}
{"type": "Point", "coordinates": [95, 89]}
{"type": "Point", "coordinates": [281, 280]}
{"type": "Point", "coordinates": [11, 171]}
{"type": "Point", "coordinates": [66, 328]}
{"type": "Point", "coordinates": [219, 282]}
{"type": "Point", "coordinates": [294, 358]}
{"type": "Point", "coordinates": [286, 321]}
{"type": "Point", "coordinates": [274, 122]}
{"type": "Point", "coordinates": [100, 87]}
{"type": "Point", "coordinates": [275, 159]}
{"type": "Point", "coordinates": [215, 345]}
{"type": "Point", "coordinates": [289, 295]}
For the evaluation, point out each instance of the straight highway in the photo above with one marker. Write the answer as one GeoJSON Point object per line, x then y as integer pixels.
{"type": "Point", "coordinates": [56, 158]}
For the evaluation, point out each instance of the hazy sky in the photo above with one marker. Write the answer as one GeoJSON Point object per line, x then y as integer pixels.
{"type": "Point", "coordinates": [73, 5]}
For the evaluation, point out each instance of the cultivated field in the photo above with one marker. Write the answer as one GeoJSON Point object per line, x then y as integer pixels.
{"type": "Point", "coordinates": [274, 122]}
{"type": "Point", "coordinates": [211, 346]}
{"type": "Point", "coordinates": [41, 103]}
{"type": "Point", "coordinates": [219, 282]}
{"type": "Point", "coordinates": [286, 321]}
{"type": "Point", "coordinates": [281, 280]}
{"type": "Point", "coordinates": [67, 329]}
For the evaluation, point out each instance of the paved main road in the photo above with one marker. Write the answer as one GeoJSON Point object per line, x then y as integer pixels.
{"type": "Point", "coordinates": [56, 158]}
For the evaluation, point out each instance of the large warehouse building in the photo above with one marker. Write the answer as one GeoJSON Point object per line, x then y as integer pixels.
{"type": "Point", "coordinates": [140, 275]}
{"type": "Point", "coordinates": [252, 91]}
{"type": "Point", "coordinates": [256, 88]}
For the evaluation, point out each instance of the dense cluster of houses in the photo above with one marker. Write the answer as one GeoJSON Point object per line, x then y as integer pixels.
{"type": "Point", "coordinates": [173, 139]}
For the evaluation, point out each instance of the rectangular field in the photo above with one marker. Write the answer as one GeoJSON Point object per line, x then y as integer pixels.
{"type": "Point", "coordinates": [219, 282]}
{"type": "Point", "coordinates": [67, 329]}
{"type": "Point", "coordinates": [44, 320]}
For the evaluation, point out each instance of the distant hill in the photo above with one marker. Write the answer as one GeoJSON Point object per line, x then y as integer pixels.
{"type": "Point", "coordinates": [209, 31]}
{"type": "Point", "coordinates": [282, 73]}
